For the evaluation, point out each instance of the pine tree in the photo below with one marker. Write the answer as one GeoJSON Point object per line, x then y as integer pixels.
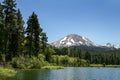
{"type": "Point", "coordinates": [10, 19]}
{"type": "Point", "coordinates": [1, 15]}
{"type": "Point", "coordinates": [48, 53]}
{"type": "Point", "coordinates": [1, 29]}
{"type": "Point", "coordinates": [20, 30]}
{"type": "Point", "coordinates": [33, 32]}
{"type": "Point", "coordinates": [44, 43]}
{"type": "Point", "coordinates": [88, 56]}
{"type": "Point", "coordinates": [29, 37]}
{"type": "Point", "coordinates": [37, 32]}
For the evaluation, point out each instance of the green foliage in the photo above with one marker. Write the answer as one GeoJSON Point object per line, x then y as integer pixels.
{"type": "Point", "coordinates": [20, 30]}
{"type": "Point", "coordinates": [87, 56]}
{"type": "Point", "coordinates": [48, 53]}
{"type": "Point", "coordinates": [1, 30]}
{"type": "Point", "coordinates": [11, 25]}
{"type": "Point", "coordinates": [10, 19]}
{"type": "Point", "coordinates": [33, 62]}
{"type": "Point", "coordinates": [68, 61]}
{"type": "Point", "coordinates": [3, 57]}
{"type": "Point", "coordinates": [91, 56]}
{"type": "Point", "coordinates": [33, 32]}
{"type": "Point", "coordinates": [52, 67]}
{"type": "Point", "coordinates": [4, 72]}
{"type": "Point", "coordinates": [44, 46]}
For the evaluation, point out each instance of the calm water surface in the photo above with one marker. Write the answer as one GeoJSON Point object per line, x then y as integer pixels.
{"type": "Point", "coordinates": [70, 73]}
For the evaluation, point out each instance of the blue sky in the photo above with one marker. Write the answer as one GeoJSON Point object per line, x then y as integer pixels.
{"type": "Point", "coordinates": [99, 20]}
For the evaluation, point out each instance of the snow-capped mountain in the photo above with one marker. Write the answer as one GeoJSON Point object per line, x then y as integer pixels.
{"type": "Point", "coordinates": [117, 46]}
{"type": "Point", "coordinates": [109, 45]}
{"type": "Point", "coordinates": [77, 40]}
{"type": "Point", "coordinates": [72, 40]}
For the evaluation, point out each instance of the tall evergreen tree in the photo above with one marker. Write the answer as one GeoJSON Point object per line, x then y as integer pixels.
{"type": "Point", "coordinates": [33, 32]}
{"type": "Point", "coordinates": [44, 43]}
{"type": "Point", "coordinates": [87, 56]}
{"type": "Point", "coordinates": [37, 32]}
{"type": "Point", "coordinates": [10, 18]}
{"type": "Point", "coordinates": [1, 14]}
{"type": "Point", "coordinates": [1, 29]}
{"type": "Point", "coordinates": [20, 30]}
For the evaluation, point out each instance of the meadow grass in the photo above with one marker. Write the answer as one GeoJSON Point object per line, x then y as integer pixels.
{"type": "Point", "coordinates": [106, 66]}
{"type": "Point", "coordinates": [52, 67]}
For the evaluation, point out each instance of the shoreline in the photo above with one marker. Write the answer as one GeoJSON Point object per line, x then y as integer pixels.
{"type": "Point", "coordinates": [9, 72]}
{"type": "Point", "coordinates": [104, 66]}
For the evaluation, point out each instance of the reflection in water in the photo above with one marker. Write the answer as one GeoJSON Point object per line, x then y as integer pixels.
{"type": "Point", "coordinates": [70, 73]}
{"type": "Point", "coordinates": [73, 73]}
{"type": "Point", "coordinates": [33, 75]}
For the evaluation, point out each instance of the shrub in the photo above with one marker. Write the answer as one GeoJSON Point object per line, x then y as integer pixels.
{"type": "Point", "coordinates": [68, 61]}
{"type": "Point", "coordinates": [33, 62]}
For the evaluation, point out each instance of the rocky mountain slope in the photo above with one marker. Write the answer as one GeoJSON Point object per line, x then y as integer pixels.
{"type": "Point", "coordinates": [77, 40]}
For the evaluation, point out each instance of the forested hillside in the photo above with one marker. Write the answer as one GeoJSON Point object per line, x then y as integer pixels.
{"type": "Point", "coordinates": [93, 56]}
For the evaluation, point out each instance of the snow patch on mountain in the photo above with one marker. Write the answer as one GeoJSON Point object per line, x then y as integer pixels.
{"type": "Point", "coordinates": [72, 41]}
{"type": "Point", "coordinates": [84, 38]}
{"type": "Point", "coordinates": [117, 46]}
{"type": "Point", "coordinates": [62, 41]}
{"type": "Point", "coordinates": [108, 45]}
{"type": "Point", "coordinates": [80, 42]}
{"type": "Point", "coordinates": [69, 43]}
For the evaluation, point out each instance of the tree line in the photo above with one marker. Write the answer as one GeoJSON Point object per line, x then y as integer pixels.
{"type": "Point", "coordinates": [109, 57]}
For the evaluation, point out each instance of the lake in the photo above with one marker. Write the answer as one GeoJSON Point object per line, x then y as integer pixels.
{"type": "Point", "coordinates": [70, 73]}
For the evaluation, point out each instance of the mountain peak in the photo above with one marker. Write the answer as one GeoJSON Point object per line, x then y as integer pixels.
{"type": "Point", "coordinates": [72, 40]}
{"type": "Point", "coordinates": [109, 45]}
{"type": "Point", "coordinates": [73, 35]}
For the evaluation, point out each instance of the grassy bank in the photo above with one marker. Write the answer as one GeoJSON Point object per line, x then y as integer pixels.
{"type": "Point", "coordinates": [96, 65]}
{"type": "Point", "coordinates": [52, 67]}
{"type": "Point", "coordinates": [113, 66]}
{"type": "Point", "coordinates": [102, 65]}
{"type": "Point", "coordinates": [4, 72]}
